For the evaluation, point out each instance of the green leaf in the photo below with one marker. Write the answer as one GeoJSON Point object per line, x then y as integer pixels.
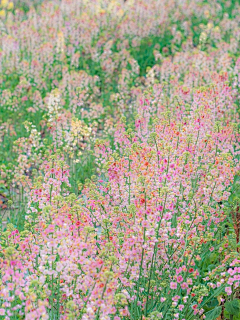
{"type": "Point", "coordinates": [232, 307]}
{"type": "Point", "coordinates": [212, 304]}
{"type": "Point", "coordinates": [213, 314]}
{"type": "Point", "coordinates": [213, 257]}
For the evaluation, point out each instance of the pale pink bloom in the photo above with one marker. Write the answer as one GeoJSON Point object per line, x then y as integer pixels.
{"type": "Point", "coordinates": [173, 285]}
{"type": "Point", "coordinates": [228, 290]}
{"type": "Point", "coordinates": [184, 285]}
{"type": "Point", "coordinates": [2, 312]}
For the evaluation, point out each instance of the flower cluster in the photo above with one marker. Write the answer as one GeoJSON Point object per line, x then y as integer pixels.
{"type": "Point", "coordinates": [119, 160]}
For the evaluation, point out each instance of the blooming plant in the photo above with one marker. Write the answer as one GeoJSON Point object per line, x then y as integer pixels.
{"type": "Point", "coordinates": [119, 167]}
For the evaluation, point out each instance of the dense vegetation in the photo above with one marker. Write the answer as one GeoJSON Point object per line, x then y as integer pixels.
{"type": "Point", "coordinates": [119, 159]}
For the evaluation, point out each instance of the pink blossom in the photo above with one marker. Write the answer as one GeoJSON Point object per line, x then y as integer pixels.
{"type": "Point", "coordinates": [173, 285]}
{"type": "Point", "coordinates": [228, 290]}
{"type": "Point", "coordinates": [2, 312]}
{"type": "Point", "coordinates": [179, 279]}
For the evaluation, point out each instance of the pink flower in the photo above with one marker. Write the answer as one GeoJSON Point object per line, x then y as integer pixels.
{"type": "Point", "coordinates": [145, 224]}
{"type": "Point", "coordinates": [184, 285]}
{"type": "Point", "coordinates": [173, 285]}
{"type": "Point", "coordinates": [176, 298]}
{"type": "Point", "coordinates": [167, 216]}
{"type": "Point", "coordinates": [2, 312]}
{"type": "Point", "coordinates": [179, 279]}
{"type": "Point", "coordinates": [59, 267]}
{"type": "Point", "coordinates": [228, 290]}
{"type": "Point", "coordinates": [10, 286]}
{"type": "Point", "coordinates": [231, 271]}
{"type": "Point", "coordinates": [178, 270]}
{"type": "Point", "coordinates": [25, 98]}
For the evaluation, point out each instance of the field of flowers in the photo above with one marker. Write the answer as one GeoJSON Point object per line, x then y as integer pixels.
{"type": "Point", "coordinates": [119, 159]}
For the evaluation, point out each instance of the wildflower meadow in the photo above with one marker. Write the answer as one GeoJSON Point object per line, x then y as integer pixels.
{"type": "Point", "coordinates": [119, 159]}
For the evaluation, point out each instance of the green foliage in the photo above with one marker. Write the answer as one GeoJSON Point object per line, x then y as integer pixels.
{"type": "Point", "coordinates": [213, 314]}
{"type": "Point", "coordinates": [233, 307]}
